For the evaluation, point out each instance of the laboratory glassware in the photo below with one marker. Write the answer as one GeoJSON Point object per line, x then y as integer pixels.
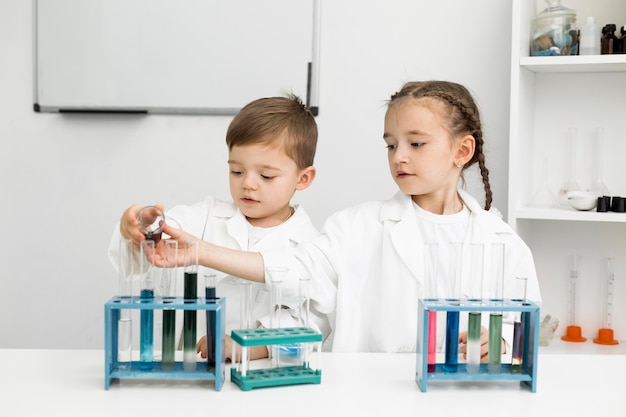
{"type": "Point", "coordinates": [190, 295]}
{"type": "Point", "coordinates": [451, 274]}
{"type": "Point", "coordinates": [146, 335]}
{"type": "Point", "coordinates": [475, 296]}
{"type": "Point", "coordinates": [246, 305]}
{"type": "Point", "coordinates": [570, 184]}
{"type": "Point", "coordinates": [210, 281]}
{"type": "Point", "coordinates": [496, 279]}
{"type": "Point", "coordinates": [518, 332]}
{"type": "Point", "coordinates": [573, 332]}
{"type": "Point", "coordinates": [544, 198]}
{"type": "Point", "coordinates": [605, 333]}
{"type": "Point", "coordinates": [277, 276]}
{"type": "Point", "coordinates": [125, 293]}
{"type": "Point", "coordinates": [598, 185]}
{"type": "Point", "coordinates": [431, 262]}
{"type": "Point", "coordinates": [150, 221]}
{"type": "Point", "coordinates": [168, 291]}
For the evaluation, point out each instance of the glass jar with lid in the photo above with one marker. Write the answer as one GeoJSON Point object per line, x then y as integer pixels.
{"type": "Point", "coordinates": [554, 31]}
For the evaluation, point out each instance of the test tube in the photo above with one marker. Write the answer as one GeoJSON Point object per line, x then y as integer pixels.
{"type": "Point", "coordinates": [605, 333]}
{"type": "Point", "coordinates": [146, 335]}
{"type": "Point", "coordinates": [246, 304]}
{"type": "Point", "coordinates": [518, 334]}
{"type": "Point", "coordinates": [168, 290]}
{"type": "Point", "coordinates": [210, 280]}
{"type": "Point", "coordinates": [475, 294]}
{"type": "Point", "coordinates": [125, 291]}
{"type": "Point", "coordinates": [302, 349]}
{"type": "Point", "coordinates": [573, 332]}
{"type": "Point", "coordinates": [277, 275]}
{"type": "Point", "coordinates": [453, 292]}
{"type": "Point", "coordinates": [495, 317]}
{"type": "Point", "coordinates": [431, 262]}
{"type": "Point", "coordinates": [190, 295]}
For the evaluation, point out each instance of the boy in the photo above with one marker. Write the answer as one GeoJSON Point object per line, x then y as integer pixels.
{"type": "Point", "coordinates": [271, 147]}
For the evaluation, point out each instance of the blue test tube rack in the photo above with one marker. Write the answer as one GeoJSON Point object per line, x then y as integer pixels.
{"type": "Point", "coordinates": [530, 316]}
{"type": "Point", "coordinates": [114, 369]}
{"type": "Point", "coordinates": [248, 379]}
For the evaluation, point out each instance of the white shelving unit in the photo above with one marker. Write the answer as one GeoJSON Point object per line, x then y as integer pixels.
{"type": "Point", "coordinates": [549, 95]}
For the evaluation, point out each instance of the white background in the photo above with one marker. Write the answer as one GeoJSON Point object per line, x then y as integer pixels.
{"type": "Point", "coordinates": [65, 179]}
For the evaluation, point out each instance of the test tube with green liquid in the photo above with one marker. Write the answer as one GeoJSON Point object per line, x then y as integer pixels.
{"type": "Point", "coordinates": [475, 297]}
{"type": "Point", "coordinates": [495, 317]}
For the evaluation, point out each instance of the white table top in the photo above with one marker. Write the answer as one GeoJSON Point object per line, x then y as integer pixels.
{"type": "Point", "coordinates": [71, 382]}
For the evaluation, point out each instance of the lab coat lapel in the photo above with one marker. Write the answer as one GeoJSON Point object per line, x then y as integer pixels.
{"type": "Point", "coordinates": [400, 218]}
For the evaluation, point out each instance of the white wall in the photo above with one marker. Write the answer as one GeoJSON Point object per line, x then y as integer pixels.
{"type": "Point", "coordinates": [65, 179]}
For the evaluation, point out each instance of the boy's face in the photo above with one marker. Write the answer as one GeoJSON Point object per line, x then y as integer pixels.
{"type": "Point", "coordinates": [262, 181]}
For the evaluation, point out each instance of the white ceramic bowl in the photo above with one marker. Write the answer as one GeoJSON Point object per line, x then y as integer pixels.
{"type": "Point", "coordinates": [583, 200]}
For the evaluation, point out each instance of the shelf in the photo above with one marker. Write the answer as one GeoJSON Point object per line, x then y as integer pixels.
{"type": "Point", "coordinates": [575, 63]}
{"type": "Point", "coordinates": [532, 213]}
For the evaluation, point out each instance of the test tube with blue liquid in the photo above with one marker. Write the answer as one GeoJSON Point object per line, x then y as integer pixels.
{"type": "Point", "coordinates": [168, 291]}
{"type": "Point", "coordinates": [475, 296]}
{"type": "Point", "coordinates": [496, 278]}
{"type": "Point", "coordinates": [190, 295]}
{"type": "Point", "coordinates": [210, 281]}
{"type": "Point", "coordinates": [146, 335]}
{"type": "Point", "coordinates": [452, 279]}
{"type": "Point", "coordinates": [431, 263]}
{"type": "Point", "coordinates": [125, 291]}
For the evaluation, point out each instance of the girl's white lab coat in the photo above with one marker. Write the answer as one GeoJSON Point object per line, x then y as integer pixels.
{"type": "Point", "coordinates": [222, 223]}
{"type": "Point", "coordinates": [368, 270]}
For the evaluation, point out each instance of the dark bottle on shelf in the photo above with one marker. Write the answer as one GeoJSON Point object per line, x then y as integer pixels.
{"type": "Point", "coordinates": [609, 41]}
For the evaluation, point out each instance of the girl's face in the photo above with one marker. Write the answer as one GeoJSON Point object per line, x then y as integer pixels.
{"type": "Point", "coordinates": [262, 181]}
{"type": "Point", "coordinates": [422, 157]}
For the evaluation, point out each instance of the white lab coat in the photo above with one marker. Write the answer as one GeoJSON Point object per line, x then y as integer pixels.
{"type": "Point", "coordinates": [368, 270]}
{"type": "Point", "coordinates": [222, 223]}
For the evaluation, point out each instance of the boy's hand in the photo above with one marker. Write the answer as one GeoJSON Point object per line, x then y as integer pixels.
{"type": "Point", "coordinates": [129, 227]}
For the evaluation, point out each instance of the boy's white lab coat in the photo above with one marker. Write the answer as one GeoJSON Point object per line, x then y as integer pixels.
{"type": "Point", "coordinates": [222, 223]}
{"type": "Point", "coordinates": [368, 270]}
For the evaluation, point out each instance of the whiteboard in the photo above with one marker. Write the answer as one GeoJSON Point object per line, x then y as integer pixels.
{"type": "Point", "coordinates": [173, 56]}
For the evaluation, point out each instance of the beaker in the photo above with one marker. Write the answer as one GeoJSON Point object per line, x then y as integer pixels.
{"type": "Point", "coordinates": [168, 292]}
{"type": "Point", "coordinates": [573, 332]}
{"type": "Point", "coordinates": [190, 295]}
{"type": "Point", "coordinates": [146, 335]}
{"type": "Point", "coordinates": [605, 333]}
{"type": "Point", "coordinates": [150, 221]}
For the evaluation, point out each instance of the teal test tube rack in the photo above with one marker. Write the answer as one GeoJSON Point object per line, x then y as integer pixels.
{"type": "Point", "coordinates": [115, 369]}
{"type": "Point", "coordinates": [530, 316]}
{"type": "Point", "coordinates": [302, 338]}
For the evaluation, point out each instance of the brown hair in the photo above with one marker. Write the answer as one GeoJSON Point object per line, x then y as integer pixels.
{"type": "Point", "coordinates": [280, 121]}
{"type": "Point", "coordinates": [461, 118]}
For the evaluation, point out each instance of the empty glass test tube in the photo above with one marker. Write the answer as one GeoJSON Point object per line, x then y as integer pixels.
{"type": "Point", "coordinates": [125, 291]}
{"type": "Point", "coordinates": [277, 276]}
